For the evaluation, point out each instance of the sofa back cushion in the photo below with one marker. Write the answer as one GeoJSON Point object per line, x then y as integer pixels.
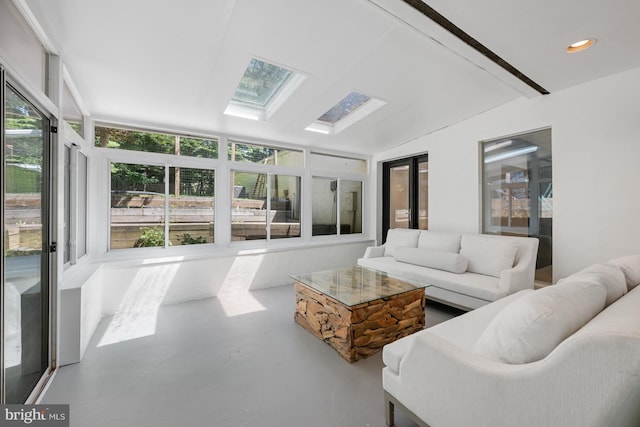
{"type": "Point", "coordinates": [609, 276]}
{"type": "Point", "coordinates": [488, 255]}
{"type": "Point", "coordinates": [532, 326]}
{"type": "Point", "coordinates": [447, 261]}
{"type": "Point", "coordinates": [630, 266]}
{"type": "Point", "coordinates": [446, 242]}
{"type": "Point", "coordinates": [400, 237]}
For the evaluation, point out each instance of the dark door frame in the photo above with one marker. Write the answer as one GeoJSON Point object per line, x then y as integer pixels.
{"type": "Point", "coordinates": [414, 180]}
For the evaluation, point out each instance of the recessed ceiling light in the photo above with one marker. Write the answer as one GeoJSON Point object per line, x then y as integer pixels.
{"type": "Point", "coordinates": [581, 45]}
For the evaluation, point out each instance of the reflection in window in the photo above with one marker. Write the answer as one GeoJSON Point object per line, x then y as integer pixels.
{"type": "Point", "coordinates": [518, 191]}
{"type": "Point", "coordinates": [191, 205]}
{"type": "Point", "coordinates": [350, 207]}
{"type": "Point", "coordinates": [137, 206]}
{"type": "Point", "coordinates": [285, 206]}
{"type": "Point", "coordinates": [324, 206]}
{"type": "Point", "coordinates": [249, 206]}
{"type": "Point", "coordinates": [328, 209]}
{"type": "Point", "coordinates": [259, 211]}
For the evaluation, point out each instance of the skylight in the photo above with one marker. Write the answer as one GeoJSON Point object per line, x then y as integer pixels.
{"type": "Point", "coordinates": [346, 105]}
{"type": "Point", "coordinates": [349, 110]}
{"type": "Point", "coordinates": [262, 90]}
{"type": "Point", "coordinates": [260, 82]}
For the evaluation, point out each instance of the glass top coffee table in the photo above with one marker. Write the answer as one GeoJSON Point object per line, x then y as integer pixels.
{"type": "Point", "coordinates": [357, 310]}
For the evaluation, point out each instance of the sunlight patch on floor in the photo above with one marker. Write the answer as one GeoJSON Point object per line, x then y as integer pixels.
{"type": "Point", "coordinates": [234, 295]}
{"type": "Point", "coordinates": [137, 315]}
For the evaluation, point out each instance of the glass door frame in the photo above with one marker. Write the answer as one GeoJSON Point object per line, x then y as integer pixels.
{"type": "Point", "coordinates": [414, 190]}
{"type": "Point", "coordinates": [48, 270]}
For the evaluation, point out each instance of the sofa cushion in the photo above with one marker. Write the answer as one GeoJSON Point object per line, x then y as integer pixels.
{"type": "Point", "coordinates": [488, 255]}
{"type": "Point", "coordinates": [400, 237]}
{"type": "Point", "coordinates": [431, 258]}
{"type": "Point", "coordinates": [630, 266]}
{"type": "Point", "coordinates": [531, 327]}
{"type": "Point", "coordinates": [609, 276]}
{"type": "Point", "coordinates": [446, 242]}
{"type": "Point", "coordinates": [474, 285]}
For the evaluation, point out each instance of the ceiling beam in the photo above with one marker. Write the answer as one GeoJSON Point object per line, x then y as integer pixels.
{"type": "Point", "coordinates": [436, 17]}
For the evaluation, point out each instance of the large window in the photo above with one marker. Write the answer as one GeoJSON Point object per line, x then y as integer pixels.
{"type": "Point", "coordinates": [160, 206]}
{"type": "Point", "coordinates": [265, 206]}
{"type": "Point", "coordinates": [518, 191]}
{"type": "Point", "coordinates": [336, 201]}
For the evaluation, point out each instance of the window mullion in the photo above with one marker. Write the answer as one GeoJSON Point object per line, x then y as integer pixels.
{"type": "Point", "coordinates": [166, 205]}
{"type": "Point", "coordinates": [73, 205]}
{"type": "Point", "coordinates": [268, 219]}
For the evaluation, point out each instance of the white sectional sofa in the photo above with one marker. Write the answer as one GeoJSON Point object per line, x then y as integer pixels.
{"type": "Point", "coordinates": [462, 270]}
{"type": "Point", "coordinates": [564, 355]}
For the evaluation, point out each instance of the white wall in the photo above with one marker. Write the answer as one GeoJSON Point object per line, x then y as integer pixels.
{"type": "Point", "coordinates": [596, 168]}
{"type": "Point", "coordinates": [136, 289]}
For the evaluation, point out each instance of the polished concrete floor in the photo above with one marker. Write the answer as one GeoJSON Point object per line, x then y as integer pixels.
{"type": "Point", "coordinates": [234, 361]}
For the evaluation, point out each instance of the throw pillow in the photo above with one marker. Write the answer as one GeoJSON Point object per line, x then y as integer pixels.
{"type": "Point", "coordinates": [455, 263]}
{"type": "Point", "coordinates": [609, 276]}
{"type": "Point", "coordinates": [630, 266]}
{"type": "Point", "coordinates": [488, 255]}
{"type": "Point", "coordinates": [528, 329]}
{"type": "Point", "coordinates": [446, 242]}
{"type": "Point", "coordinates": [400, 237]}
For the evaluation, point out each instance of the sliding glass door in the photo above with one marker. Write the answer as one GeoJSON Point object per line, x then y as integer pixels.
{"type": "Point", "coordinates": [25, 272]}
{"type": "Point", "coordinates": [406, 190]}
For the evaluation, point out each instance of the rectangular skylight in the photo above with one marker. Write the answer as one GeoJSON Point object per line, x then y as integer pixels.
{"type": "Point", "coordinates": [262, 90]}
{"type": "Point", "coordinates": [349, 110]}
{"type": "Point", "coordinates": [346, 105]}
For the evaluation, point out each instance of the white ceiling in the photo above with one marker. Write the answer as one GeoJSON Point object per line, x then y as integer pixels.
{"type": "Point", "coordinates": [175, 65]}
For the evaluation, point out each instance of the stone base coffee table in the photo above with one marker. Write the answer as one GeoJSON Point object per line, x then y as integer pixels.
{"type": "Point", "coordinates": [357, 310]}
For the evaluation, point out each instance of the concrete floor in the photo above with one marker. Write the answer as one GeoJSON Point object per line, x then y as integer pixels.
{"type": "Point", "coordinates": [208, 363]}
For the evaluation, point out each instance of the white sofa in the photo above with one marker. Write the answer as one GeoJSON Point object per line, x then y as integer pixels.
{"type": "Point", "coordinates": [462, 270]}
{"type": "Point", "coordinates": [564, 355]}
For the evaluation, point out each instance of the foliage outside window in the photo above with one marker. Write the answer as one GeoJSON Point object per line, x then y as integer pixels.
{"type": "Point", "coordinates": [23, 175]}
{"type": "Point", "coordinates": [125, 139]}
{"type": "Point", "coordinates": [191, 205]}
{"type": "Point", "coordinates": [265, 206]}
{"type": "Point", "coordinates": [252, 153]}
{"type": "Point", "coordinates": [336, 202]}
{"type": "Point", "coordinates": [141, 199]}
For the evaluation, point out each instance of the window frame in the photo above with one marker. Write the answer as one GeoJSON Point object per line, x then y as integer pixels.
{"type": "Point", "coordinates": [166, 164]}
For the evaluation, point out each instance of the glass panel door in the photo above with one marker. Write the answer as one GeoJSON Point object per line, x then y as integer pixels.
{"type": "Point", "coordinates": [25, 281]}
{"type": "Point", "coordinates": [406, 193]}
{"type": "Point", "coordinates": [399, 197]}
{"type": "Point", "coordinates": [423, 194]}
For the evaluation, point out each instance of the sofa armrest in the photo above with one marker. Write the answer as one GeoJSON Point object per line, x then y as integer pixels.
{"type": "Point", "coordinates": [516, 279]}
{"type": "Point", "coordinates": [374, 252]}
{"type": "Point", "coordinates": [438, 378]}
